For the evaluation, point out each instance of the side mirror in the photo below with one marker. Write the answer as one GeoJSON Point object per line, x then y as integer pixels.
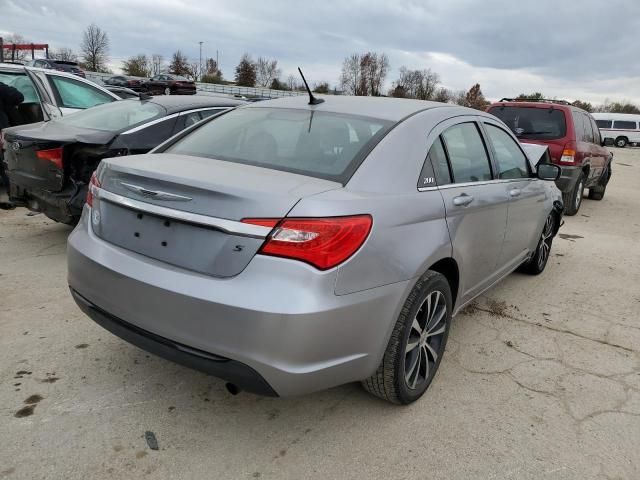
{"type": "Point", "coordinates": [607, 142]}
{"type": "Point", "coordinates": [548, 171]}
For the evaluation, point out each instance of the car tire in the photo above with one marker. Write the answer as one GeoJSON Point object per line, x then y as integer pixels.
{"type": "Point", "coordinates": [417, 343]}
{"type": "Point", "coordinates": [167, 91]}
{"type": "Point", "coordinates": [537, 263]}
{"type": "Point", "coordinates": [573, 199]}
{"type": "Point", "coordinates": [621, 142]}
{"type": "Point", "coordinates": [597, 192]}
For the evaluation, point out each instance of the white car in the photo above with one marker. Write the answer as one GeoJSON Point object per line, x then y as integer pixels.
{"type": "Point", "coordinates": [50, 93]}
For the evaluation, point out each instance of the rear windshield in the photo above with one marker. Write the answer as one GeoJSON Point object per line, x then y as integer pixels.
{"type": "Point", "coordinates": [115, 116]}
{"type": "Point", "coordinates": [533, 123]}
{"type": "Point", "coordinates": [603, 123]}
{"type": "Point", "coordinates": [318, 144]}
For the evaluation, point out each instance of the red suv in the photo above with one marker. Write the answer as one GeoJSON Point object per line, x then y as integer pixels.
{"type": "Point", "coordinates": [574, 143]}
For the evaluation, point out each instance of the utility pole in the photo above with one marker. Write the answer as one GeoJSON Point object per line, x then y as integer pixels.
{"type": "Point", "coordinates": [200, 60]}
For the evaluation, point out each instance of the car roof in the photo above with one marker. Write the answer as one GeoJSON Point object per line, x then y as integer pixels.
{"type": "Point", "coordinates": [179, 103]}
{"type": "Point", "coordinates": [384, 108]}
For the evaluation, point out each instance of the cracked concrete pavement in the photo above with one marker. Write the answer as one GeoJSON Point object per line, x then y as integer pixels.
{"type": "Point", "coordinates": [541, 380]}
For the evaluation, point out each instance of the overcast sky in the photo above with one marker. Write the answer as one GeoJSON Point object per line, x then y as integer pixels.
{"type": "Point", "coordinates": [583, 49]}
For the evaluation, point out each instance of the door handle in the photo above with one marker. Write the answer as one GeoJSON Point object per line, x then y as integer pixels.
{"type": "Point", "coordinates": [515, 192]}
{"type": "Point", "coordinates": [463, 200]}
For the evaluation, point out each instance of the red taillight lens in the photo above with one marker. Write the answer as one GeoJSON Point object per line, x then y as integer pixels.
{"type": "Point", "coordinates": [93, 183]}
{"type": "Point", "coordinates": [53, 155]}
{"type": "Point", "coordinates": [321, 242]}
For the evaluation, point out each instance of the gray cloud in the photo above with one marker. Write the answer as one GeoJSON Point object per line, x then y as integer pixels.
{"type": "Point", "coordinates": [576, 49]}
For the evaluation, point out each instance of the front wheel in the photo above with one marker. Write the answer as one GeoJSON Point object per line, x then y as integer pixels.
{"type": "Point", "coordinates": [417, 343]}
{"type": "Point", "coordinates": [167, 91]}
{"type": "Point", "coordinates": [621, 142]}
{"type": "Point", "coordinates": [597, 192]}
{"type": "Point", "coordinates": [573, 199]}
{"type": "Point", "coordinates": [536, 264]}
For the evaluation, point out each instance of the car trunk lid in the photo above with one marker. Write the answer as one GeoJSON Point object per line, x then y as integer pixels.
{"type": "Point", "coordinates": [187, 211]}
{"type": "Point", "coordinates": [37, 156]}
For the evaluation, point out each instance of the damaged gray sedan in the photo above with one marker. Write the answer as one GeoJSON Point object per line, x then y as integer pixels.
{"type": "Point", "coordinates": [291, 245]}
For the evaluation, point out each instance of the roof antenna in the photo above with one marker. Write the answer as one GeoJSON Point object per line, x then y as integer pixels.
{"type": "Point", "coordinates": [312, 100]}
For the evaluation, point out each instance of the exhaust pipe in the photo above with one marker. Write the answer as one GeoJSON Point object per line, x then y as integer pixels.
{"type": "Point", "coordinates": [232, 389]}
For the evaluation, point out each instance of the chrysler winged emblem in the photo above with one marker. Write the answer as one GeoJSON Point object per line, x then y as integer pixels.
{"type": "Point", "coordinates": [155, 193]}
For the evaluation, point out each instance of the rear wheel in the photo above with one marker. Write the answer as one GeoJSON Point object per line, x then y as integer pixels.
{"type": "Point", "coordinates": [621, 142]}
{"type": "Point", "coordinates": [536, 264]}
{"type": "Point", "coordinates": [597, 192]}
{"type": "Point", "coordinates": [167, 91]}
{"type": "Point", "coordinates": [417, 343]}
{"type": "Point", "coordinates": [573, 199]}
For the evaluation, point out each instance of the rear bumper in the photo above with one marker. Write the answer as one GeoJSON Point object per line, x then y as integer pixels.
{"type": "Point", "coordinates": [64, 206]}
{"type": "Point", "coordinates": [235, 372]}
{"type": "Point", "coordinates": [568, 178]}
{"type": "Point", "coordinates": [279, 318]}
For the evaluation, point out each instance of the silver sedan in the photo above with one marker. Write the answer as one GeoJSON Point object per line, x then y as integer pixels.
{"type": "Point", "coordinates": [288, 247]}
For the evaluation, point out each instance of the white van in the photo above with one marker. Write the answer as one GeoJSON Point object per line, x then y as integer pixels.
{"type": "Point", "coordinates": [622, 128]}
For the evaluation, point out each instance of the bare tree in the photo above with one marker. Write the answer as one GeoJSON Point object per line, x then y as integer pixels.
{"type": "Point", "coordinates": [64, 54]}
{"type": "Point", "coordinates": [420, 84]}
{"type": "Point", "coordinates": [157, 64]}
{"type": "Point", "coordinates": [95, 49]}
{"type": "Point", "coordinates": [443, 95]}
{"type": "Point", "coordinates": [194, 70]}
{"type": "Point", "coordinates": [292, 82]}
{"type": "Point", "coordinates": [266, 71]}
{"type": "Point", "coordinates": [137, 66]}
{"type": "Point", "coordinates": [350, 77]}
{"type": "Point", "coordinates": [373, 71]}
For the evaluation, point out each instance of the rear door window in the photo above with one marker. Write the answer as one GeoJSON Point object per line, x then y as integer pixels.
{"type": "Point", "coordinates": [596, 131]}
{"type": "Point", "coordinates": [435, 170]}
{"type": "Point", "coordinates": [512, 162]}
{"type": "Point", "coordinates": [467, 153]}
{"type": "Point", "coordinates": [624, 125]}
{"type": "Point", "coordinates": [531, 122]}
{"type": "Point", "coordinates": [588, 131]}
{"type": "Point", "coordinates": [74, 94]}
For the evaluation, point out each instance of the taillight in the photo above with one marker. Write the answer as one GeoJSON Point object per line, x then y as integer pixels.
{"type": "Point", "coordinates": [53, 155]}
{"type": "Point", "coordinates": [321, 242]}
{"type": "Point", "coordinates": [569, 153]}
{"type": "Point", "coordinates": [93, 184]}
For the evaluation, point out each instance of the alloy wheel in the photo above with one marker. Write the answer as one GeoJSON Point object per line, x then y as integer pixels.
{"type": "Point", "coordinates": [544, 248]}
{"type": "Point", "coordinates": [425, 343]}
{"type": "Point", "coordinates": [167, 91]}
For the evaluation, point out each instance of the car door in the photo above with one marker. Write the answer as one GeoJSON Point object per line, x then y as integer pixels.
{"type": "Point", "coordinates": [525, 217]}
{"type": "Point", "coordinates": [47, 101]}
{"type": "Point", "coordinates": [475, 205]}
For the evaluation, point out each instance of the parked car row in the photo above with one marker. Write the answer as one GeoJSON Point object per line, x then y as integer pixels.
{"type": "Point", "coordinates": [292, 245]}
{"type": "Point", "coordinates": [574, 142]}
{"type": "Point", "coordinates": [60, 65]}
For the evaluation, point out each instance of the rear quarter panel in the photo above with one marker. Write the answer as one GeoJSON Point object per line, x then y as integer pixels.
{"type": "Point", "coordinates": [409, 230]}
